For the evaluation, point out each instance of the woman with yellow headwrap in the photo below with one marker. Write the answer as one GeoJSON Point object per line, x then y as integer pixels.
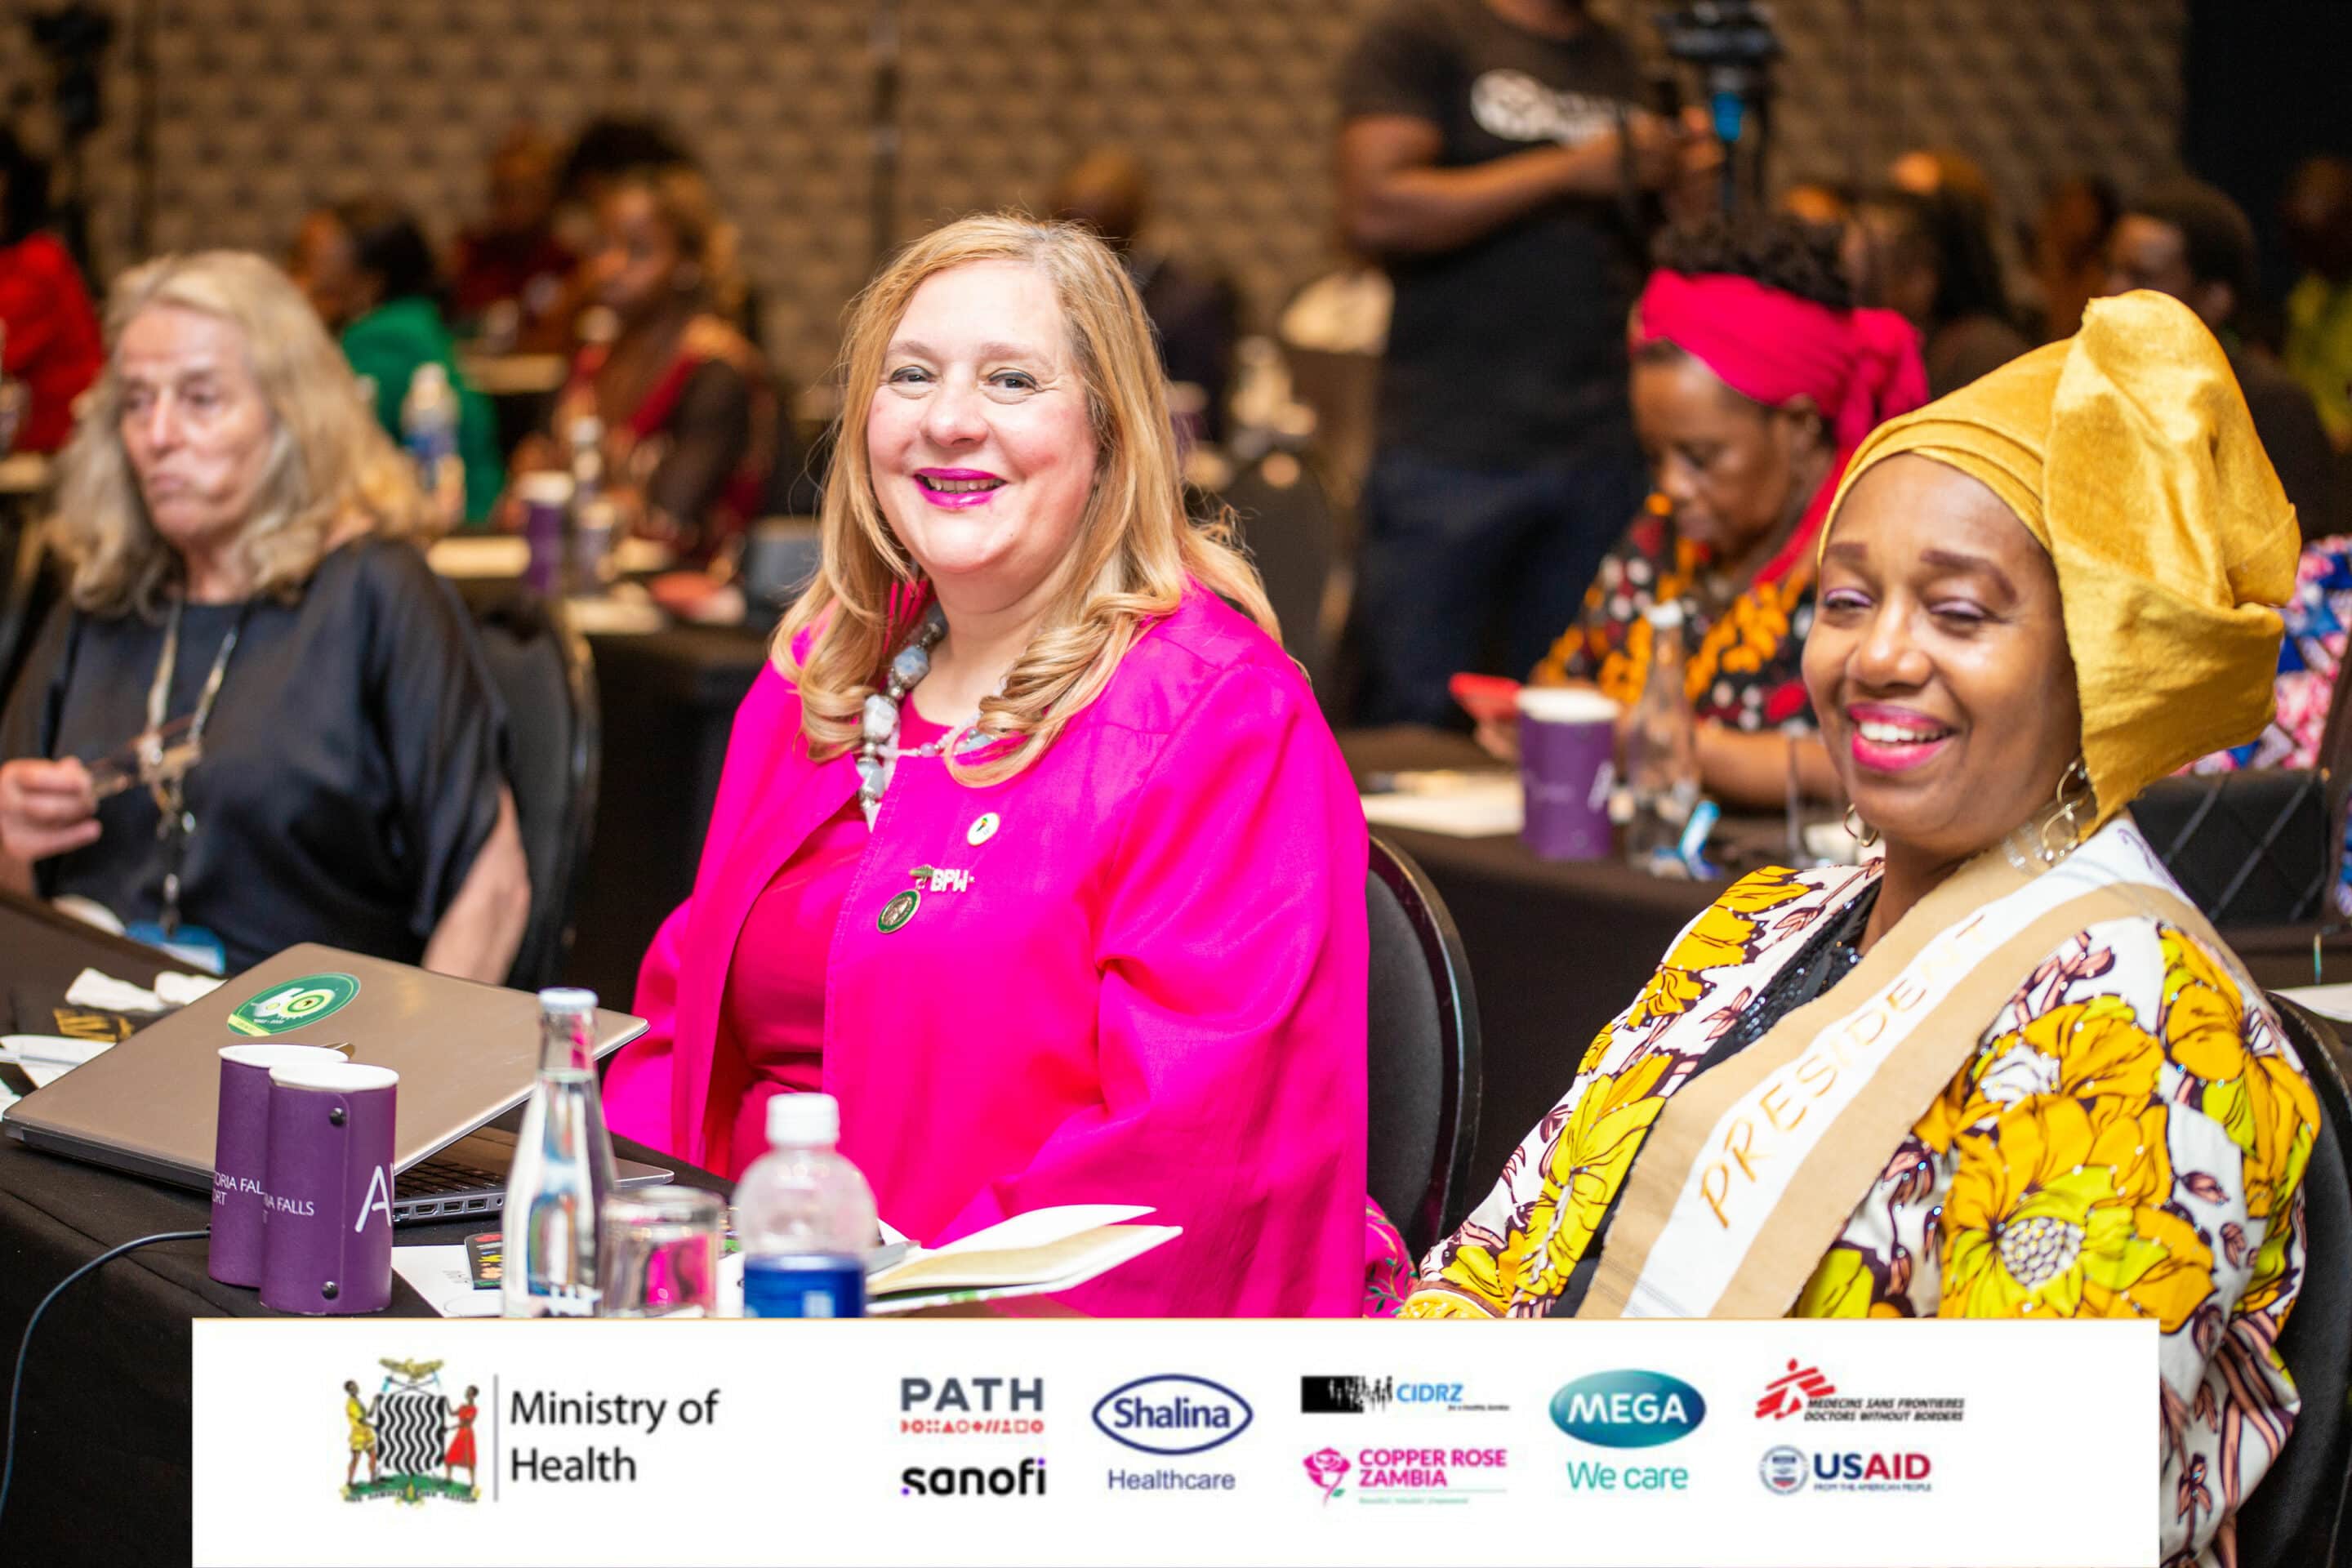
{"type": "Point", "coordinates": [2018, 1072]}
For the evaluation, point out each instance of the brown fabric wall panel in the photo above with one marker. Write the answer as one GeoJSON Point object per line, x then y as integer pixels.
{"type": "Point", "coordinates": [267, 106]}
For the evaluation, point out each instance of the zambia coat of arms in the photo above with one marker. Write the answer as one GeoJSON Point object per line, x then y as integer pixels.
{"type": "Point", "coordinates": [412, 1439]}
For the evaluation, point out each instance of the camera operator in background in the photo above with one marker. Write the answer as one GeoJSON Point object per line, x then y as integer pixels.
{"type": "Point", "coordinates": [1493, 156]}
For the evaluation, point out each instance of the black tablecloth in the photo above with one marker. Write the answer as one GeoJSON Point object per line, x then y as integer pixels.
{"type": "Point", "coordinates": [103, 1432]}
{"type": "Point", "coordinates": [1556, 948]}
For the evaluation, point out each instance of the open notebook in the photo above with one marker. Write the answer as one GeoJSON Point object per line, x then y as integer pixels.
{"type": "Point", "coordinates": [1039, 1252]}
{"type": "Point", "coordinates": [1034, 1254]}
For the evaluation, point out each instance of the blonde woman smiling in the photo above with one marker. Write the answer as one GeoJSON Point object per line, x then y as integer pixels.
{"type": "Point", "coordinates": [1033, 847]}
{"type": "Point", "coordinates": [244, 561]}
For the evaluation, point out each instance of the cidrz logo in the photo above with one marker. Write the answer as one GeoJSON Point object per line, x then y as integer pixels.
{"type": "Point", "coordinates": [1628, 1409]}
{"type": "Point", "coordinates": [1363, 1395]}
{"type": "Point", "coordinates": [972, 1407]}
{"type": "Point", "coordinates": [414, 1439]}
{"type": "Point", "coordinates": [1172, 1414]}
{"type": "Point", "coordinates": [1025, 1479]}
{"type": "Point", "coordinates": [1787, 1472]}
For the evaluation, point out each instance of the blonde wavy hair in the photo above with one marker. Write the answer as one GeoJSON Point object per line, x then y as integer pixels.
{"type": "Point", "coordinates": [1135, 552]}
{"type": "Point", "coordinates": [332, 471]}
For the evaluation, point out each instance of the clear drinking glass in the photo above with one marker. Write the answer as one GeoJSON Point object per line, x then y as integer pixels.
{"type": "Point", "coordinates": [660, 1251]}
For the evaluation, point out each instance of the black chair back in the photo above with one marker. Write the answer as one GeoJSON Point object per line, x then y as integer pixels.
{"type": "Point", "coordinates": [2249, 849]}
{"type": "Point", "coordinates": [29, 590]}
{"type": "Point", "coordinates": [547, 680]}
{"type": "Point", "coordinates": [2295, 1515]}
{"type": "Point", "coordinates": [1289, 528]}
{"type": "Point", "coordinates": [1424, 1061]}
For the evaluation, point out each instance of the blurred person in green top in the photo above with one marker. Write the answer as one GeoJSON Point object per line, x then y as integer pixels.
{"type": "Point", "coordinates": [370, 274]}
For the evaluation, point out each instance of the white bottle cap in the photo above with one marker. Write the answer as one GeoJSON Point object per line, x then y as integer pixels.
{"type": "Point", "coordinates": [432, 375]}
{"type": "Point", "coordinates": [1666, 615]}
{"type": "Point", "coordinates": [1566, 705]}
{"type": "Point", "coordinates": [567, 999]}
{"type": "Point", "coordinates": [587, 429]}
{"type": "Point", "coordinates": [803, 1121]}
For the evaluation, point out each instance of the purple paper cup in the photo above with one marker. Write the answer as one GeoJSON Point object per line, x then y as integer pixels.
{"type": "Point", "coordinates": [1567, 746]}
{"type": "Point", "coordinates": [327, 1248]}
{"type": "Point", "coordinates": [546, 499]}
{"type": "Point", "coordinates": [241, 1154]}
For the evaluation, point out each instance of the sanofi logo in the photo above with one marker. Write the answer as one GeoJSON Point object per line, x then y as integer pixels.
{"type": "Point", "coordinates": [1628, 1409]}
{"type": "Point", "coordinates": [1172, 1414]}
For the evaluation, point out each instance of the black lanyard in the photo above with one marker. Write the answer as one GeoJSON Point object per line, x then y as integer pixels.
{"type": "Point", "coordinates": [176, 825]}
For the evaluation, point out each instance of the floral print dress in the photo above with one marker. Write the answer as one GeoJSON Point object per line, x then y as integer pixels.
{"type": "Point", "coordinates": [1746, 668]}
{"type": "Point", "coordinates": [2128, 1139]}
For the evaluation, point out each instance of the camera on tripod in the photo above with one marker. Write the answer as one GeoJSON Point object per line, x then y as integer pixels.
{"type": "Point", "coordinates": [1733, 45]}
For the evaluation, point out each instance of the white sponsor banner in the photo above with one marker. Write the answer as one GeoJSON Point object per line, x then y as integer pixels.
{"type": "Point", "coordinates": [1066, 1442]}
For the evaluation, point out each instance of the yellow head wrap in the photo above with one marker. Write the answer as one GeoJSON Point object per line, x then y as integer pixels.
{"type": "Point", "coordinates": [2128, 452]}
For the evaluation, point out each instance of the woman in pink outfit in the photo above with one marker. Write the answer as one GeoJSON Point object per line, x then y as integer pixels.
{"type": "Point", "coordinates": [1032, 847]}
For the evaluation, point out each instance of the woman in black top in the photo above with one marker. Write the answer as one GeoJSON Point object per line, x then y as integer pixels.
{"type": "Point", "coordinates": [241, 536]}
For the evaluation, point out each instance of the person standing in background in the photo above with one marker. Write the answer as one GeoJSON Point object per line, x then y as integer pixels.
{"type": "Point", "coordinates": [53, 344]}
{"type": "Point", "coordinates": [2187, 239]}
{"type": "Point", "coordinates": [1492, 155]}
{"type": "Point", "coordinates": [2317, 213]}
{"type": "Point", "coordinates": [367, 270]}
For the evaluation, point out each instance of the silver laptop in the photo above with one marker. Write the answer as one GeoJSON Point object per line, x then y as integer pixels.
{"type": "Point", "coordinates": [465, 1053]}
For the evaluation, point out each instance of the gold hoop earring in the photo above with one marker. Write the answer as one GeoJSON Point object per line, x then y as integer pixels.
{"type": "Point", "coordinates": [2073, 792]}
{"type": "Point", "coordinates": [1860, 831]}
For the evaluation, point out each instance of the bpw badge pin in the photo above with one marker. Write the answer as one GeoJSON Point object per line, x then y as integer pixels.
{"type": "Point", "coordinates": [940, 880]}
{"type": "Point", "coordinates": [898, 910]}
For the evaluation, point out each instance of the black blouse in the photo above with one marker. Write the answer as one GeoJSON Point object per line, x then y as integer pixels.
{"type": "Point", "coordinates": [352, 764]}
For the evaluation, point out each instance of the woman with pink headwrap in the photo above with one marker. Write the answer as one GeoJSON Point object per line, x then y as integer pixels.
{"type": "Point", "coordinates": [1754, 379]}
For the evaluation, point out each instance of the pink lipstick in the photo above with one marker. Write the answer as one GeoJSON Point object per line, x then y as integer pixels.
{"type": "Point", "coordinates": [1894, 740]}
{"type": "Point", "coordinates": [957, 488]}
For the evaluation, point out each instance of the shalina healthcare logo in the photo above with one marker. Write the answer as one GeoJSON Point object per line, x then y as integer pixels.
{"type": "Point", "coordinates": [1172, 1416]}
{"type": "Point", "coordinates": [1629, 1408]}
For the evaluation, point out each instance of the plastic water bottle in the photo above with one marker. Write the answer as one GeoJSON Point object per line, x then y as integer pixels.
{"type": "Point", "coordinates": [592, 517]}
{"type": "Point", "coordinates": [563, 1171]}
{"type": "Point", "coordinates": [1661, 783]}
{"type": "Point", "coordinates": [805, 1217]}
{"type": "Point", "coordinates": [428, 428]}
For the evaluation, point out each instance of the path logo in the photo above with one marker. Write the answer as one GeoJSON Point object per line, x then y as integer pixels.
{"type": "Point", "coordinates": [1327, 1468]}
{"type": "Point", "coordinates": [412, 1439]}
{"type": "Point", "coordinates": [294, 1005]}
{"type": "Point", "coordinates": [1787, 1394]}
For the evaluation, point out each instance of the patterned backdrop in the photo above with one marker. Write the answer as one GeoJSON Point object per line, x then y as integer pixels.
{"type": "Point", "coordinates": [264, 106]}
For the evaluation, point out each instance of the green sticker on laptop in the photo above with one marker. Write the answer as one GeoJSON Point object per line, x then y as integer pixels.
{"type": "Point", "coordinates": [293, 1004]}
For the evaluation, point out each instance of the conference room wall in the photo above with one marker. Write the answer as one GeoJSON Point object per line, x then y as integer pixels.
{"type": "Point", "coordinates": [264, 106]}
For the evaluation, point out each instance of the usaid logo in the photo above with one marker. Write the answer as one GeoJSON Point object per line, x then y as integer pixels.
{"type": "Point", "coordinates": [1628, 1409]}
{"type": "Point", "coordinates": [1172, 1414]}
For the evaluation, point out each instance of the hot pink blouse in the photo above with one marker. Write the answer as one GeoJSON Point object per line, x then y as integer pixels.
{"type": "Point", "coordinates": [773, 1005]}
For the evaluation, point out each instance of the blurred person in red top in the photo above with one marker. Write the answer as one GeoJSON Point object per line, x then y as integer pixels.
{"type": "Point", "coordinates": [52, 343]}
{"type": "Point", "coordinates": [514, 256]}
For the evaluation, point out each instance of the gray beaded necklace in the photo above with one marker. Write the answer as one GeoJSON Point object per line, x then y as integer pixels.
{"type": "Point", "coordinates": [877, 746]}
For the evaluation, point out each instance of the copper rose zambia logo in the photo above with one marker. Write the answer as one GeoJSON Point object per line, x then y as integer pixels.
{"type": "Point", "coordinates": [1327, 1468]}
{"type": "Point", "coordinates": [1628, 1409]}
